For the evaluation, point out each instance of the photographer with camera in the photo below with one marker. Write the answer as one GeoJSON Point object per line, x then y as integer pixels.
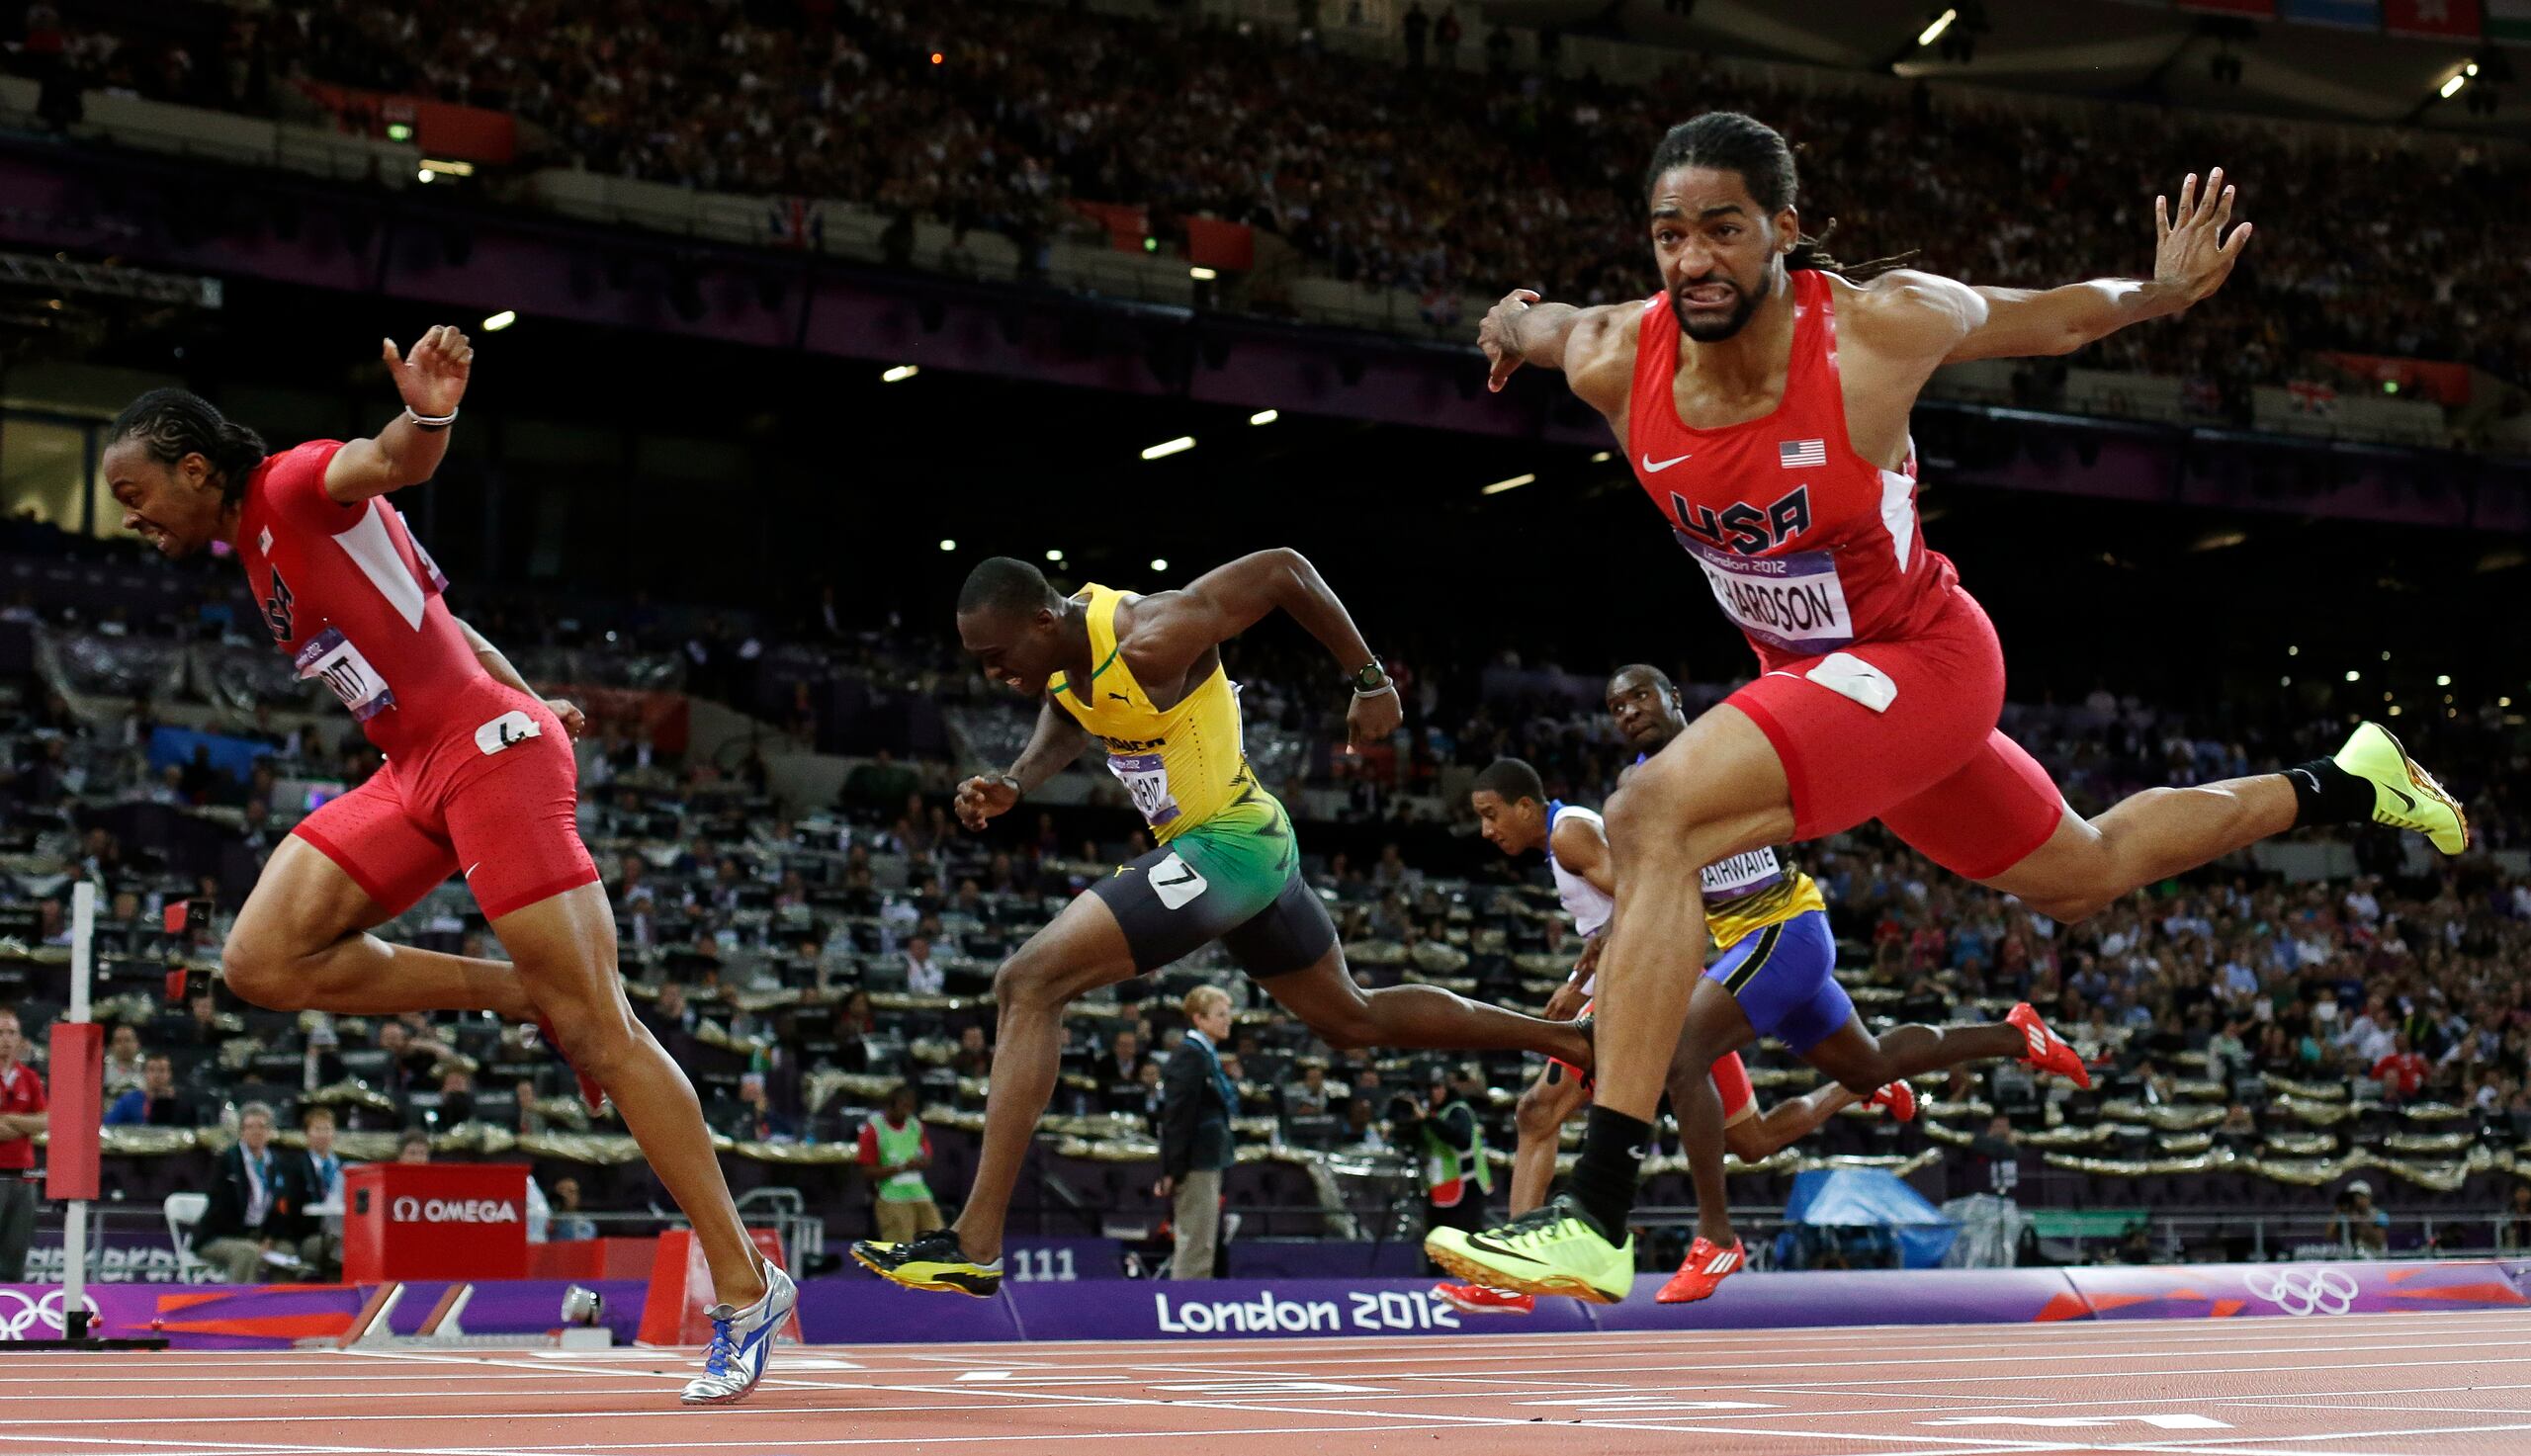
{"type": "Point", "coordinates": [1444, 1130]}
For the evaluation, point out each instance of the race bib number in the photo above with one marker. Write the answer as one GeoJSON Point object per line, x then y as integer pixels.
{"type": "Point", "coordinates": [1146, 778]}
{"type": "Point", "coordinates": [1794, 603]}
{"type": "Point", "coordinates": [1175, 881]}
{"type": "Point", "coordinates": [1742, 875]}
{"type": "Point", "coordinates": [510, 728]}
{"type": "Point", "coordinates": [330, 656]}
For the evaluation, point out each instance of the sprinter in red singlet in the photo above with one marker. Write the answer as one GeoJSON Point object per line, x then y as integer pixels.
{"type": "Point", "coordinates": [479, 778]}
{"type": "Point", "coordinates": [1762, 398]}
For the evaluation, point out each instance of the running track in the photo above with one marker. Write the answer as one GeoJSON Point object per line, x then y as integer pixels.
{"type": "Point", "coordinates": [2380, 1385]}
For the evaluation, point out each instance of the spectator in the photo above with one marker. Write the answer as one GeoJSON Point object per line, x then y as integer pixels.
{"type": "Point", "coordinates": [318, 1174]}
{"type": "Point", "coordinates": [413, 1148]}
{"type": "Point", "coordinates": [123, 1069]}
{"type": "Point", "coordinates": [1119, 1073]}
{"type": "Point", "coordinates": [568, 1221]}
{"type": "Point", "coordinates": [670, 1016]}
{"type": "Point", "coordinates": [1418, 27]}
{"type": "Point", "coordinates": [22, 1120]}
{"type": "Point", "coordinates": [2402, 1071]}
{"type": "Point", "coordinates": [975, 1053]}
{"type": "Point", "coordinates": [1197, 1103]}
{"type": "Point", "coordinates": [757, 1120]}
{"type": "Point", "coordinates": [1309, 1097]}
{"type": "Point", "coordinates": [2359, 1228]}
{"type": "Point", "coordinates": [1445, 37]}
{"type": "Point", "coordinates": [253, 1203]}
{"type": "Point", "coordinates": [409, 1059]}
{"type": "Point", "coordinates": [924, 975]}
{"type": "Point", "coordinates": [455, 1097]}
{"type": "Point", "coordinates": [155, 1103]}
{"type": "Point", "coordinates": [1362, 1130]}
{"type": "Point", "coordinates": [896, 1151]}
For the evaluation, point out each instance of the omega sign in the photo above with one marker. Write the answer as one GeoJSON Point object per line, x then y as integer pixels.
{"type": "Point", "coordinates": [411, 1210]}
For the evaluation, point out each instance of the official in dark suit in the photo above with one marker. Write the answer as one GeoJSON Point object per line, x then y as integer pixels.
{"type": "Point", "coordinates": [1197, 1101]}
{"type": "Point", "coordinates": [253, 1202]}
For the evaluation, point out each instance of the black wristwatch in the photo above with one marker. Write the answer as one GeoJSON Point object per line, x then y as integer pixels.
{"type": "Point", "coordinates": [1370, 677]}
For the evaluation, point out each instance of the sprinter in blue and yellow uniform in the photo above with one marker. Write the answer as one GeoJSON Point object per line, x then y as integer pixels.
{"type": "Point", "coordinates": [1142, 677]}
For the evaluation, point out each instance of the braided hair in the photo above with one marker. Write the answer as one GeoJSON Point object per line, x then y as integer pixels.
{"type": "Point", "coordinates": [173, 423]}
{"type": "Point", "coordinates": [1728, 142]}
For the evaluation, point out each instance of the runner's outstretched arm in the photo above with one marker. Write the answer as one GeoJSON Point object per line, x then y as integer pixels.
{"type": "Point", "coordinates": [2192, 256]}
{"type": "Point", "coordinates": [1173, 630]}
{"type": "Point", "coordinates": [408, 452]}
{"type": "Point", "coordinates": [1519, 329]}
{"type": "Point", "coordinates": [1057, 741]}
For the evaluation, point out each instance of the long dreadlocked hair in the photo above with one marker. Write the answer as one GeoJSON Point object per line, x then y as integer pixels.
{"type": "Point", "coordinates": [172, 423]}
{"type": "Point", "coordinates": [1727, 141]}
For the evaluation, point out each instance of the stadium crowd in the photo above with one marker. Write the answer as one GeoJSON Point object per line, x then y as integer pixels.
{"type": "Point", "coordinates": [996, 114]}
{"type": "Point", "coordinates": [802, 958]}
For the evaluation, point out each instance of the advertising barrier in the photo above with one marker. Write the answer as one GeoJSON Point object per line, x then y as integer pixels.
{"type": "Point", "coordinates": [2295, 1291]}
{"type": "Point", "coordinates": [1216, 1308]}
{"type": "Point", "coordinates": [1847, 1297]}
{"type": "Point", "coordinates": [855, 1308]}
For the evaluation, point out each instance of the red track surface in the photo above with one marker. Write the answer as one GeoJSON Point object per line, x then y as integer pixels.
{"type": "Point", "coordinates": [2381, 1385]}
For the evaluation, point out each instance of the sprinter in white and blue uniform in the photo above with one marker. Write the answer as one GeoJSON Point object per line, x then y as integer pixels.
{"type": "Point", "coordinates": [1771, 928]}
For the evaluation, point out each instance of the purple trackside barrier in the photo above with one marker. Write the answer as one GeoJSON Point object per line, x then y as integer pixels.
{"type": "Point", "coordinates": [2220, 1291]}
{"type": "Point", "coordinates": [1852, 1297]}
{"type": "Point", "coordinates": [199, 1316]}
{"type": "Point", "coordinates": [1214, 1309]}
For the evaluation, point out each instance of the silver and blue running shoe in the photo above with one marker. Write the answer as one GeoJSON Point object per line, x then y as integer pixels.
{"type": "Point", "coordinates": [742, 1342]}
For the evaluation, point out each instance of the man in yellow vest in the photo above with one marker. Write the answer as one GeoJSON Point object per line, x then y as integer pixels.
{"type": "Point", "coordinates": [1458, 1175]}
{"type": "Point", "coordinates": [1141, 677]}
{"type": "Point", "coordinates": [894, 1150]}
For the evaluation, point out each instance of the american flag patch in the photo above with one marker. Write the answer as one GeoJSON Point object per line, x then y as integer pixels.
{"type": "Point", "coordinates": [1797, 454]}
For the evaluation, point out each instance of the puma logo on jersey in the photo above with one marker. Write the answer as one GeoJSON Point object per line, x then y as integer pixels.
{"type": "Point", "coordinates": [509, 729]}
{"type": "Point", "coordinates": [1743, 527]}
{"type": "Point", "coordinates": [276, 608]}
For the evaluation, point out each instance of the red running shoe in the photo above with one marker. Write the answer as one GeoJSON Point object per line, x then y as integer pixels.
{"type": "Point", "coordinates": [2049, 1051]}
{"type": "Point", "coordinates": [591, 1092]}
{"type": "Point", "coordinates": [1702, 1272]}
{"type": "Point", "coordinates": [1898, 1097]}
{"type": "Point", "coordinates": [1476, 1299]}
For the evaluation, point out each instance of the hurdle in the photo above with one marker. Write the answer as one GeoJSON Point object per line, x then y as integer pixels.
{"type": "Point", "coordinates": [443, 1327]}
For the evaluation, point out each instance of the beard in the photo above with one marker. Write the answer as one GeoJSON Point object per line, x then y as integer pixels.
{"type": "Point", "coordinates": [1710, 330]}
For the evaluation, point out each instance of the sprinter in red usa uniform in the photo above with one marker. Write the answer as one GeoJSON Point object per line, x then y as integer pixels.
{"type": "Point", "coordinates": [478, 780]}
{"type": "Point", "coordinates": [1763, 399]}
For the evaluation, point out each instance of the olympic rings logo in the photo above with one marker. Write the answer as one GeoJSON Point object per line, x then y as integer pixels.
{"type": "Point", "coordinates": [2321, 1291]}
{"type": "Point", "coordinates": [37, 1316]}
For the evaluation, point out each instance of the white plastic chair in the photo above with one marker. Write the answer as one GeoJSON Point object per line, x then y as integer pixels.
{"type": "Point", "coordinates": [184, 1211]}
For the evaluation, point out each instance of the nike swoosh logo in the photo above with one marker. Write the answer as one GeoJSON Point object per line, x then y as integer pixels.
{"type": "Point", "coordinates": [2403, 798]}
{"type": "Point", "coordinates": [470, 869]}
{"type": "Point", "coordinates": [1652, 469]}
{"type": "Point", "coordinates": [1479, 1241]}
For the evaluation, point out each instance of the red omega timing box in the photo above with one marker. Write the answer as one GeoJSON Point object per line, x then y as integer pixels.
{"type": "Point", "coordinates": [434, 1220]}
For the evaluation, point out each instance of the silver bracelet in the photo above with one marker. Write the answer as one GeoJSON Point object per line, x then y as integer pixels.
{"type": "Point", "coordinates": [430, 421]}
